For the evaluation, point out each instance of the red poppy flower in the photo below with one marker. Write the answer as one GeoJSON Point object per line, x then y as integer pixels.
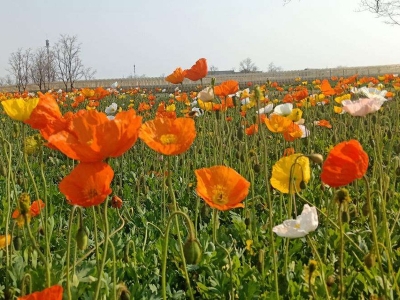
{"type": "Point", "coordinates": [177, 76]}
{"type": "Point", "coordinates": [345, 163]}
{"type": "Point", "coordinates": [54, 292]}
{"type": "Point", "coordinates": [92, 137]}
{"type": "Point", "coordinates": [88, 184]}
{"type": "Point", "coordinates": [198, 70]}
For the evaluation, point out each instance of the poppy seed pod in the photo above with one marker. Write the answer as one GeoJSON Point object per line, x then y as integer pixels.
{"type": "Point", "coordinates": [192, 251]}
{"type": "Point", "coordinates": [17, 242]}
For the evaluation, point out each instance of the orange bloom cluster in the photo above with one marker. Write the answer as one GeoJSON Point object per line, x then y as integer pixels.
{"type": "Point", "coordinates": [90, 137]}
{"type": "Point", "coordinates": [196, 72]}
{"type": "Point", "coordinates": [345, 163]}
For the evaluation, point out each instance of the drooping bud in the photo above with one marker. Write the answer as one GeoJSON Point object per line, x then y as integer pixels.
{"type": "Point", "coordinates": [17, 242]}
{"type": "Point", "coordinates": [192, 251]}
{"type": "Point", "coordinates": [317, 158]}
{"type": "Point", "coordinates": [81, 239]}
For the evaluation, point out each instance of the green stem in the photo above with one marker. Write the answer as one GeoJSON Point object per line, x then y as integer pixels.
{"type": "Point", "coordinates": [71, 217]}
{"type": "Point", "coordinates": [165, 250]}
{"type": "Point", "coordinates": [341, 252]}
{"type": "Point", "coordinates": [310, 241]}
{"type": "Point", "coordinates": [215, 224]}
{"type": "Point", "coordinates": [374, 234]}
{"type": "Point", "coordinates": [106, 240]}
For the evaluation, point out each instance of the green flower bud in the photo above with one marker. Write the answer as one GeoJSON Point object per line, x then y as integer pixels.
{"type": "Point", "coordinates": [81, 239]}
{"type": "Point", "coordinates": [192, 251]}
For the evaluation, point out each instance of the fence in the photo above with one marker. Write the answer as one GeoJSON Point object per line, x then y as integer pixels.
{"type": "Point", "coordinates": [255, 78]}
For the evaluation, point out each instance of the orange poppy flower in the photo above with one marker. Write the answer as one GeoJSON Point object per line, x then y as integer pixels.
{"type": "Point", "coordinates": [177, 76]}
{"type": "Point", "coordinates": [87, 93]}
{"type": "Point", "coordinates": [292, 132]}
{"type": "Point", "coordinates": [34, 209]}
{"type": "Point", "coordinates": [323, 123]}
{"type": "Point", "coordinates": [168, 136]}
{"type": "Point", "coordinates": [54, 292]}
{"type": "Point", "coordinates": [88, 184]}
{"type": "Point", "coordinates": [46, 117]}
{"type": "Point", "coordinates": [198, 70]}
{"type": "Point", "coordinates": [252, 129]}
{"type": "Point", "coordinates": [143, 106]}
{"type": "Point", "coordinates": [277, 123]}
{"type": "Point", "coordinates": [301, 94]}
{"type": "Point", "coordinates": [226, 88]}
{"type": "Point", "coordinates": [326, 88]}
{"type": "Point", "coordinates": [99, 93]}
{"type": "Point", "coordinates": [345, 163]}
{"type": "Point", "coordinates": [221, 187]}
{"type": "Point", "coordinates": [92, 137]}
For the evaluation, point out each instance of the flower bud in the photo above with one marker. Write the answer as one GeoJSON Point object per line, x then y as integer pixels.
{"type": "Point", "coordinates": [192, 251]}
{"type": "Point", "coordinates": [317, 158]}
{"type": "Point", "coordinates": [370, 260]}
{"type": "Point", "coordinates": [330, 281]}
{"type": "Point", "coordinates": [257, 168]}
{"type": "Point", "coordinates": [24, 201]}
{"type": "Point", "coordinates": [81, 239]}
{"type": "Point", "coordinates": [17, 242]}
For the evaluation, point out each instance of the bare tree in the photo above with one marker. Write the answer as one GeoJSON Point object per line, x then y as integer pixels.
{"type": "Point", "coordinates": [69, 65]}
{"type": "Point", "coordinates": [388, 10]}
{"type": "Point", "coordinates": [272, 68]}
{"type": "Point", "coordinates": [19, 63]}
{"type": "Point", "coordinates": [247, 66]}
{"type": "Point", "coordinates": [88, 73]}
{"type": "Point", "coordinates": [213, 68]}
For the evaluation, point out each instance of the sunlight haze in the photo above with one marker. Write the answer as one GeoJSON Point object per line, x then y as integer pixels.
{"type": "Point", "coordinates": [158, 36]}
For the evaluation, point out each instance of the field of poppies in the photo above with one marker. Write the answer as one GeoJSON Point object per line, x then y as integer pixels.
{"type": "Point", "coordinates": [222, 192]}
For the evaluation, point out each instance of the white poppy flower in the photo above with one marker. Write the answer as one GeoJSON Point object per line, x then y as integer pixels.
{"type": "Point", "coordinates": [305, 131]}
{"type": "Point", "coordinates": [303, 225]}
{"type": "Point", "coordinates": [283, 109]}
{"type": "Point", "coordinates": [112, 109]}
{"type": "Point", "coordinates": [114, 85]}
{"type": "Point", "coordinates": [194, 103]}
{"type": "Point", "coordinates": [206, 95]}
{"type": "Point", "coordinates": [371, 93]}
{"type": "Point", "coordinates": [265, 110]}
{"type": "Point", "coordinates": [198, 111]}
{"type": "Point", "coordinates": [163, 90]}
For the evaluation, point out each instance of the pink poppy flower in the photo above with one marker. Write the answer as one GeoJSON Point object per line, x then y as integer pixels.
{"type": "Point", "coordinates": [361, 107]}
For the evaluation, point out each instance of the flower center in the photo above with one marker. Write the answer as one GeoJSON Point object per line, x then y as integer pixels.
{"type": "Point", "coordinates": [91, 193]}
{"type": "Point", "coordinates": [167, 139]}
{"type": "Point", "coordinates": [219, 195]}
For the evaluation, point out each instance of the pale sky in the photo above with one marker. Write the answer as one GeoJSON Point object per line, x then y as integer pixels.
{"type": "Point", "coordinates": [158, 36]}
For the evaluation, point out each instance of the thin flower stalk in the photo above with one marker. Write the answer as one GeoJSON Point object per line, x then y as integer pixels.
{"type": "Point", "coordinates": [172, 195]}
{"type": "Point", "coordinates": [174, 216]}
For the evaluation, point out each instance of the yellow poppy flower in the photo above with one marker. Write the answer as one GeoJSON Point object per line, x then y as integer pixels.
{"type": "Point", "coordinates": [5, 240]}
{"type": "Point", "coordinates": [294, 169]}
{"type": "Point", "coordinates": [337, 109]}
{"type": "Point", "coordinates": [19, 109]}
{"type": "Point", "coordinates": [295, 114]}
